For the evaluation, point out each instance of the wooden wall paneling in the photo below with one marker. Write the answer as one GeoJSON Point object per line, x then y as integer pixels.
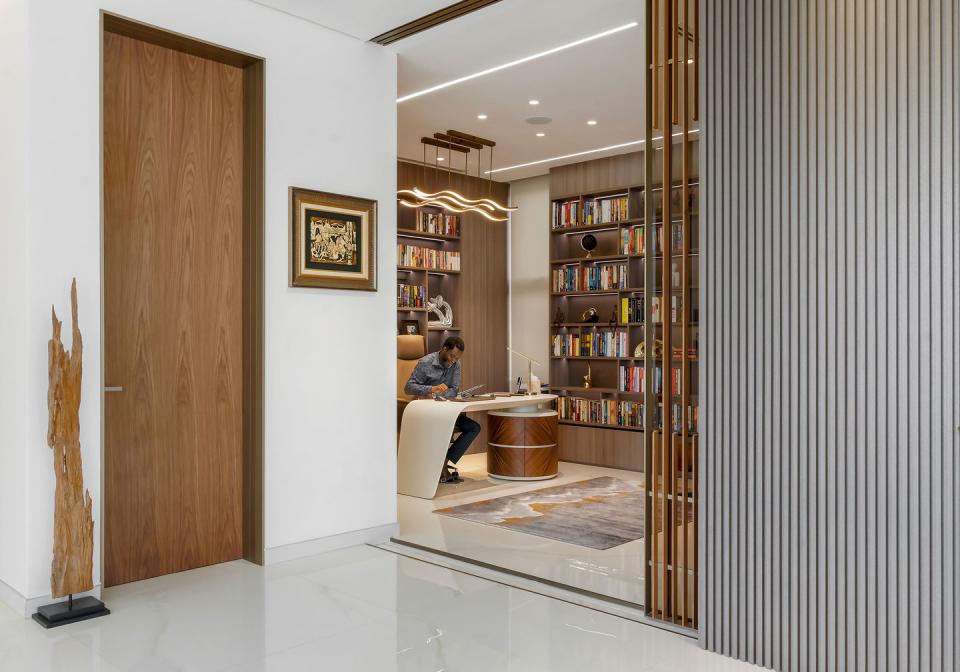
{"type": "Point", "coordinates": [615, 448]}
{"type": "Point", "coordinates": [621, 171]}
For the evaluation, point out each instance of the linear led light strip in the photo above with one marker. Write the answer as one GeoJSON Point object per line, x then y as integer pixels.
{"type": "Point", "coordinates": [575, 154]}
{"type": "Point", "coordinates": [504, 66]}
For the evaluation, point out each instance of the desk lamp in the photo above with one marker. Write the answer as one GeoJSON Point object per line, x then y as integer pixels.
{"type": "Point", "coordinates": [532, 381]}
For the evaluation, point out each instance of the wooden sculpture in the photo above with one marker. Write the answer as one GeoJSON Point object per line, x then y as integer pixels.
{"type": "Point", "coordinates": [72, 570]}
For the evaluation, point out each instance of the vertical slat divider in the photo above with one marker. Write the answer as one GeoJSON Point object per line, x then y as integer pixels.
{"type": "Point", "coordinates": [654, 537]}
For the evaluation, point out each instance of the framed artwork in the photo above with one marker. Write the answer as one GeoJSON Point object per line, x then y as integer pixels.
{"type": "Point", "coordinates": [333, 240]}
{"type": "Point", "coordinates": [410, 328]}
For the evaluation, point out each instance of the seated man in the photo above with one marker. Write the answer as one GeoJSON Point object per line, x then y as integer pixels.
{"type": "Point", "coordinates": [439, 373]}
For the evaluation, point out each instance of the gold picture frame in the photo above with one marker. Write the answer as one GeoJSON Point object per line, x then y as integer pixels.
{"type": "Point", "coordinates": [333, 240]}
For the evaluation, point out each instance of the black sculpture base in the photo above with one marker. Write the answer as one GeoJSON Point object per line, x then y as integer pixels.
{"type": "Point", "coordinates": [71, 611]}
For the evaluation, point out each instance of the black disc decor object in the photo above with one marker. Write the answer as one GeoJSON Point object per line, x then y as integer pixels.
{"type": "Point", "coordinates": [590, 315]}
{"type": "Point", "coordinates": [588, 243]}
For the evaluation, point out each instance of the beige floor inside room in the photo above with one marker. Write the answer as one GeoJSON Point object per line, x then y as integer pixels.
{"type": "Point", "coordinates": [615, 573]}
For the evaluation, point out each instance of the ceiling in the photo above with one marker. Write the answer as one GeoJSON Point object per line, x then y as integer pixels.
{"type": "Point", "coordinates": [362, 19]}
{"type": "Point", "coordinates": [600, 80]}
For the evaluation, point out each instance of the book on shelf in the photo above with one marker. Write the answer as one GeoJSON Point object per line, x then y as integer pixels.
{"type": "Point", "coordinates": [693, 418]}
{"type": "Point", "coordinates": [438, 222]}
{"type": "Point", "coordinates": [601, 277]}
{"type": "Point", "coordinates": [593, 344]}
{"type": "Point", "coordinates": [633, 240]}
{"type": "Point", "coordinates": [427, 258]}
{"type": "Point", "coordinates": [601, 411]}
{"type": "Point", "coordinates": [605, 210]}
{"type": "Point", "coordinates": [565, 214]}
{"type": "Point", "coordinates": [676, 239]}
{"type": "Point", "coordinates": [631, 378]}
{"type": "Point", "coordinates": [631, 309]}
{"type": "Point", "coordinates": [678, 351]}
{"type": "Point", "coordinates": [410, 296]}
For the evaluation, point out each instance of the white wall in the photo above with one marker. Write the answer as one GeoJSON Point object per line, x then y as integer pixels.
{"type": "Point", "coordinates": [13, 281]}
{"type": "Point", "coordinates": [330, 125]}
{"type": "Point", "coordinates": [529, 274]}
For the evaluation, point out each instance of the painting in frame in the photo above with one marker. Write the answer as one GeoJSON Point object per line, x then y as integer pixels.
{"type": "Point", "coordinates": [333, 240]}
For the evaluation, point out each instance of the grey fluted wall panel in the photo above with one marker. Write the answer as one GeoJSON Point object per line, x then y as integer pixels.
{"type": "Point", "coordinates": [831, 333]}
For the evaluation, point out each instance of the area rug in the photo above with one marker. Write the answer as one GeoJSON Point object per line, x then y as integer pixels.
{"type": "Point", "coordinates": [599, 513]}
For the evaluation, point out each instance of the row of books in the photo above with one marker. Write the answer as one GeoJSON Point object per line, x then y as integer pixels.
{"type": "Point", "coordinates": [595, 344]}
{"type": "Point", "coordinates": [693, 418]}
{"type": "Point", "coordinates": [605, 210]}
{"type": "Point", "coordinates": [601, 411]}
{"type": "Point", "coordinates": [588, 212]}
{"type": "Point", "coordinates": [633, 240]}
{"type": "Point", "coordinates": [438, 222]}
{"type": "Point", "coordinates": [410, 296]}
{"type": "Point", "coordinates": [632, 309]}
{"type": "Point", "coordinates": [623, 413]}
{"type": "Point", "coordinates": [631, 379]}
{"type": "Point", "coordinates": [427, 258]}
{"type": "Point", "coordinates": [592, 278]}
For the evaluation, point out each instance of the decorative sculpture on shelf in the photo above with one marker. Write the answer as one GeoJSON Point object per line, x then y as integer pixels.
{"type": "Point", "coordinates": [437, 306]}
{"type": "Point", "coordinates": [614, 317]}
{"type": "Point", "coordinates": [588, 379]}
{"type": "Point", "coordinates": [559, 318]}
{"type": "Point", "coordinates": [72, 567]}
{"type": "Point", "coordinates": [588, 243]}
{"type": "Point", "coordinates": [590, 315]}
{"type": "Point", "coordinates": [657, 348]}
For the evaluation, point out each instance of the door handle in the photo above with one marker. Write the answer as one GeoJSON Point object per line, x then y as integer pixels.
{"type": "Point", "coordinates": [115, 388]}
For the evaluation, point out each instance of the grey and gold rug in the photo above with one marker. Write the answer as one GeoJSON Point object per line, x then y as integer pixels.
{"type": "Point", "coordinates": [599, 513]}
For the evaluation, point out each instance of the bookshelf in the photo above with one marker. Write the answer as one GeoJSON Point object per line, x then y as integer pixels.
{"type": "Point", "coordinates": [428, 264]}
{"type": "Point", "coordinates": [623, 279]}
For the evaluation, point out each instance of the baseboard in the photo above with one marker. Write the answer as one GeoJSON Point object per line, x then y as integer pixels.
{"type": "Point", "coordinates": [303, 549]}
{"type": "Point", "coordinates": [13, 599]}
{"type": "Point", "coordinates": [25, 606]}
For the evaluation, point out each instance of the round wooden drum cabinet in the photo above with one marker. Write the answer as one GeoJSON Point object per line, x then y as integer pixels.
{"type": "Point", "coordinates": [522, 445]}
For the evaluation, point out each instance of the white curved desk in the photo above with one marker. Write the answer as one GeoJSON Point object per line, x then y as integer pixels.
{"type": "Point", "coordinates": [425, 433]}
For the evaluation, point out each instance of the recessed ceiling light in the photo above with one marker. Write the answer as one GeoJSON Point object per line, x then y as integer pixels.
{"type": "Point", "coordinates": [440, 158]}
{"type": "Point", "coordinates": [534, 102]}
{"type": "Point", "coordinates": [540, 135]}
{"type": "Point", "coordinates": [689, 61]}
{"type": "Point", "coordinates": [481, 116]}
{"type": "Point", "coordinates": [592, 122]}
{"type": "Point", "coordinates": [568, 45]}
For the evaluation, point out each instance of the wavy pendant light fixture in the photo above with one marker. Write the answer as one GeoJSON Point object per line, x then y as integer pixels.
{"type": "Point", "coordinates": [448, 199]}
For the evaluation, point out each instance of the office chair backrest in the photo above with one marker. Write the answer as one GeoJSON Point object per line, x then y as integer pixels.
{"type": "Point", "coordinates": [409, 350]}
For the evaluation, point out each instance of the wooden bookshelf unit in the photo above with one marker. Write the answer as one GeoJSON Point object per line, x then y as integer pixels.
{"type": "Point", "coordinates": [434, 270]}
{"type": "Point", "coordinates": [621, 281]}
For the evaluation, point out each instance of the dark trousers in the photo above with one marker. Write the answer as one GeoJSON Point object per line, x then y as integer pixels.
{"type": "Point", "coordinates": [468, 432]}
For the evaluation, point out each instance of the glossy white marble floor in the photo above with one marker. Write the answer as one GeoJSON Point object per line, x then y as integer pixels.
{"type": "Point", "coordinates": [616, 572]}
{"type": "Point", "coordinates": [361, 609]}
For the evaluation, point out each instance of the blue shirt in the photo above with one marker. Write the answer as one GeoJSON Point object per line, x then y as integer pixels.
{"type": "Point", "coordinates": [429, 372]}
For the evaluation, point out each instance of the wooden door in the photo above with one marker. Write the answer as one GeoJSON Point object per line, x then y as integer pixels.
{"type": "Point", "coordinates": [173, 187]}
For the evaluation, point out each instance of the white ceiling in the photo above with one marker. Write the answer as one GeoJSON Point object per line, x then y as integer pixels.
{"type": "Point", "coordinates": [362, 19]}
{"type": "Point", "coordinates": [599, 80]}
